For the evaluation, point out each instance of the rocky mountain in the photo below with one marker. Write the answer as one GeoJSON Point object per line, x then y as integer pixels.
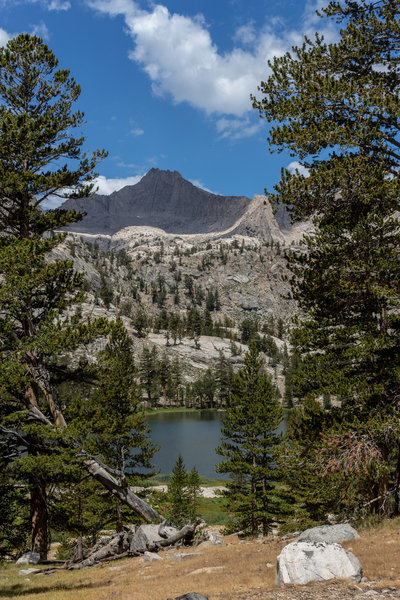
{"type": "Point", "coordinates": [166, 201]}
{"type": "Point", "coordinates": [165, 247]}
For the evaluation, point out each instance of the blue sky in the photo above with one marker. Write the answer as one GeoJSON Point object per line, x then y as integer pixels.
{"type": "Point", "coordinates": [167, 85]}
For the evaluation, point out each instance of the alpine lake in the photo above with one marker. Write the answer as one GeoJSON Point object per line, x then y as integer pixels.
{"type": "Point", "coordinates": [195, 434]}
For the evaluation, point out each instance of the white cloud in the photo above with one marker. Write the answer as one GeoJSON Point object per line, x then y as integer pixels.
{"type": "Point", "coordinates": [40, 30]}
{"type": "Point", "coordinates": [51, 202]}
{"type": "Point", "coordinates": [296, 166]}
{"type": "Point", "coordinates": [237, 129]}
{"type": "Point", "coordinates": [105, 187]}
{"type": "Point", "coordinates": [47, 4]}
{"type": "Point", "coordinates": [137, 131]}
{"type": "Point", "coordinates": [4, 37]}
{"type": "Point", "coordinates": [59, 5]}
{"type": "Point", "coordinates": [183, 62]}
{"type": "Point", "coordinates": [246, 34]}
{"type": "Point", "coordinates": [108, 186]}
{"type": "Point", "coordinates": [199, 184]}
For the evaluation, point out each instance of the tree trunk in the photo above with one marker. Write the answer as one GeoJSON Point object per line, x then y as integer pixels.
{"type": "Point", "coordinates": [79, 549]}
{"type": "Point", "coordinates": [384, 486]}
{"type": "Point", "coordinates": [254, 524]}
{"type": "Point", "coordinates": [397, 484]}
{"type": "Point", "coordinates": [39, 539]}
{"type": "Point", "coordinates": [118, 526]}
{"type": "Point", "coordinates": [79, 546]}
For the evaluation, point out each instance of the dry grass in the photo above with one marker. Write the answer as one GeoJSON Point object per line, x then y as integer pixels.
{"type": "Point", "coordinates": [378, 550]}
{"type": "Point", "coordinates": [242, 566]}
{"type": "Point", "coordinates": [236, 571]}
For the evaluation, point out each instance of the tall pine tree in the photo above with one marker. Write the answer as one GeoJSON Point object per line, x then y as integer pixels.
{"type": "Point", "coordinates": [110, 423]}
{"type": "Point", "coordinates": [336, 106]}
{"type": "Point", "coordinates": [248, 444]}
{"type": "Point", "coordinates": [37, 154]}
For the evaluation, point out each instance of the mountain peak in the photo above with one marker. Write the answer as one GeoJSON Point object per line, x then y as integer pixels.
{"type": "Point", "coordinates": [164, 172]}
{"type": "Point", "coordinates": [162, 199]}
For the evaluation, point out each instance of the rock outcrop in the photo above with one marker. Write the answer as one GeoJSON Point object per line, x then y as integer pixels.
{"type": "Point", "coordinates": [147, 535]}
{"type": "Point", "coordinates": [29, 558]}
{"type": "Point", "coordinates": [330, 534]}
{"type": "Point", "coordinates": [302, 562]}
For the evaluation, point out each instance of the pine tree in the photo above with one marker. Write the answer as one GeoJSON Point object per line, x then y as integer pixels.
{"type": "Point", "coordinates": [337, 108]}
{"type": "Point", "coordinates": [248, 444]}
{"type": "Point", "coordinates": [223, 379]}
{"type": "Point", "coordinates": [175, 379]}
{"type": "Point", "coordinates": [210, 301]}
{"type": "Point", "coordinates": [194, 492]}
{"type": "Point", "coordinates": [148, 370]}
{"type": "Point", "coordinates": [207, 328]}
{"type": "Point", "coordinates": [307, 491]}
{"type": "Point", "coordinates": [36, 126]}
{"type": "Point", "coordinates": [174, 325]}
{"type": "Point", "coordinates": [36, 135]}
{"type": "Point", "coordinates": [179, 505]}
{"type": "Point", "coordinates": [164, 368]}
{"type": "Point", "coordinates": [112, 423]}
{"type": "Point", "coordinates": [140, 322]}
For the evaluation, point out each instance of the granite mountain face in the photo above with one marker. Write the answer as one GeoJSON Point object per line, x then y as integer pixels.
{"type": "Point", "coordinates": [166, 201]}
{"type": "Point", "coordinates": [163, 247]}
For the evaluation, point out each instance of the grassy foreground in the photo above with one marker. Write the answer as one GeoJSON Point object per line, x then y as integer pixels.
{"type": "Point", "coordinates": [240, 570]}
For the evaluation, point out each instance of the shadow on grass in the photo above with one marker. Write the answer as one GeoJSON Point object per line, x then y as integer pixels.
{"type": "Point", "coordinates": [19, 589]}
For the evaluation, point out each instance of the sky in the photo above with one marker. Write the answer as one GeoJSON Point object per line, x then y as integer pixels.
{"type": "Point", "coordinates": [168, 85]}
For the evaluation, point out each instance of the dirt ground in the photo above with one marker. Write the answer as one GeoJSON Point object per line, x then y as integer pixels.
{"type": "Point", "coordinates": [239, 570]}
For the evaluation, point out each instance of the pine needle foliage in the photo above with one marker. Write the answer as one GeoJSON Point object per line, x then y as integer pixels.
{"type": "Point", "coordinates": [38, 152]}
{"type": "Point", "coordinates": [248, 447]}
{"type": "Point", "coordinates": [178, 497]}
{"type": "Point", "coordinates": [110, 424]}
{"type": "Point", "coordinates": [336, 107]}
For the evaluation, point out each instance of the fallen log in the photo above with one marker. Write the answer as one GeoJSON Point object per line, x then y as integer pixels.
{"type": "Point", "coordinates": [119, 546]}
{"type": "Point", "coordinates": [186, 534]}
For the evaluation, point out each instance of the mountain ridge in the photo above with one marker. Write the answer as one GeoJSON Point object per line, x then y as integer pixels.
{"type": "Point", "coordinates": [167, 201]}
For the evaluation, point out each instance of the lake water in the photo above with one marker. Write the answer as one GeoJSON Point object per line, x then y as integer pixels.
{"type": "Point", "coordinates": [194, 435]}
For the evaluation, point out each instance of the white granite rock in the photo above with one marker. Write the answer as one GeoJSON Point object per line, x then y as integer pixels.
{"type": "Point", "coordinates": [151, 557]}
{"type": "Point", "coordinates": [215, 539]}
{"type": "Point", "coordinates": [331, 534]}
{"type": "Point", "coordinates": [29, 558]}
{"type": "Point", "coordinates": [302, 562]}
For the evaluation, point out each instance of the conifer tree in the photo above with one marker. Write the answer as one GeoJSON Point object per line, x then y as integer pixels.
{"type": "Point", "coordinates": [336, 106]}
{"type": "Point", "coordinates": [148, 370]}
{"type": "Point", "coordinates": [164, 368]}
{"type": "Point", "coordinates": [174, 324]}
{"type": "Point", "coordinates": [307, 492]}
{"type": "Point", "coordinates": [175, 379]}
{"type": "Point", "coordinates": [111, 422]}
{"type": "Point", "coordinates": [194, 492]}
{"type": "Point", "coordinates": [36, 125]}
{"type": "Point", "coordinates": [178, 497]}
{"type": "Point", "coordinates": [223, 379]}
{"type": "Point", "coordinates": [248, 444]}
{"type": "Point", "coordinates": [37, 153]}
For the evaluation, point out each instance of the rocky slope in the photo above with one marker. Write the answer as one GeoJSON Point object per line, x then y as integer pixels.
{"type": "Point", "coordinates": [145, 246]}
{"type": "Point", "coordinates": [250, 277]}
